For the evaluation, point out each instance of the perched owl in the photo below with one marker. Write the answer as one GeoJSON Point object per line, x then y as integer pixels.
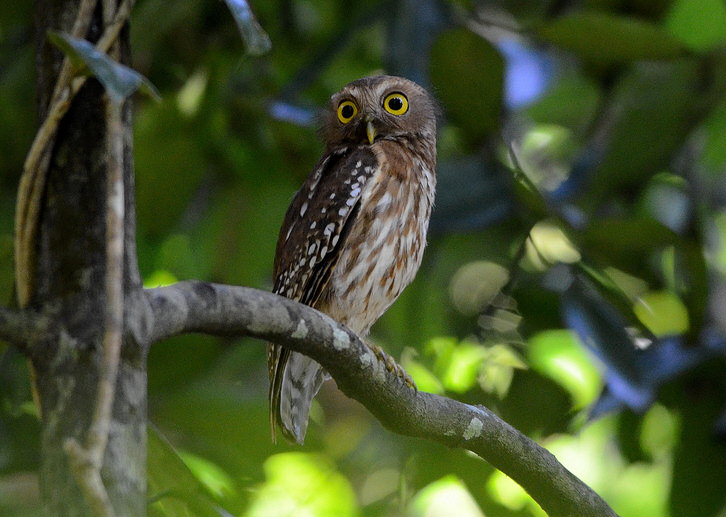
{"type": "Point", "coordinates": [354, 234]}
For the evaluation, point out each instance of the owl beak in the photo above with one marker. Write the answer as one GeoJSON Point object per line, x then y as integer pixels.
{"type": "Point", "coordinates": [371, 131]}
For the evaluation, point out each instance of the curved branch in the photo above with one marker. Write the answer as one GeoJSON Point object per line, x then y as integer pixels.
{"type": "Point", "coordinates": [228, 310]}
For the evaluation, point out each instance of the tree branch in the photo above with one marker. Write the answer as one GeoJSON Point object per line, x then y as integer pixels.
{"type": "Point", "coordinates": [19, 328]}
{"type": "Point", "coordinates": [227, 310]}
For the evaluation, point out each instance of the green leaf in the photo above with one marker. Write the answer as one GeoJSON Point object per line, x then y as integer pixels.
{"type": "Point", "coordinates": [606, 37]}
{"type": "Point", "coordinates": [211, 476]}
{"type": "Point", "coordinates": [663, 313]}
{"type": "Point", "coordinates": [466, 361]}
{"type": "Point", "coordinates": [447, 496]}
{"type": "Point", "coordinates": [300, 483]}
{"type": "Point", "coordinates": [571, 102]}
{"type": "Point", "coordinates": [119, 81]}
{"type": "Point", "coordinates": [558, 355]}
{"type": "Point", "coordinates": [425, 379]}
{"type": "Point", "coordinates": [468, 74]}
{"type": "Point", "coordinates": [699, 24]}
{"type": "Point", "coordinates": [496, 372]}
{"type": "Point", "coordinates": [256, 39]}
{"type": "Point", "coordinates": [633, 234]}
{"type": "Point", "coordinates": [652, 110]}
{"type": "Point", "coordinates": [172, 484]}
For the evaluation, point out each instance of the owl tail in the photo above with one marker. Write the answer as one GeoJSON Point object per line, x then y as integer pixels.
{"type": "Point", "coordinates": [301, 381]}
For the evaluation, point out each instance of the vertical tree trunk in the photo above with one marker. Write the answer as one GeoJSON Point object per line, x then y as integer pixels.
{"type": "Point", "coordinates": [69, 286]}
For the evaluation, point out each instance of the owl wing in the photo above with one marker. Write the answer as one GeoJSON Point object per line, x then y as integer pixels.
{"type": "Point", "coordinates": [312, 236]}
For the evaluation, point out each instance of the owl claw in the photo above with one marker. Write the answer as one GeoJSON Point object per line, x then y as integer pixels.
{"type": "Point", "coordinates": [393, 367]}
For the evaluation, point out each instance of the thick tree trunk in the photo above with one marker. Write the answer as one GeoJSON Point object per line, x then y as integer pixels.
{"type": "Point", "coordinates": [69, 287]}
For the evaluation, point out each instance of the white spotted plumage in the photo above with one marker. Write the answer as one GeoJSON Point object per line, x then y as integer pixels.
{"type": "Point", "coordinates": [354, 235]}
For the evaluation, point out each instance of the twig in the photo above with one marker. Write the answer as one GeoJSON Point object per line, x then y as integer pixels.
{"type": "Point", "coordinates": [89, 479]}
{"type": "Point", "coordinates": [98, 434]}
{"type": "Point", "coordinates": [80, 29]}
{"type": "Point", "coordinates": [227, 310]}
{"type": "Point", "coordinates": [32, 182]}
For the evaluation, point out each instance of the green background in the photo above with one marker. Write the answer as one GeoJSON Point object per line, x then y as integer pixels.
{"type": "Point", "coordinates": [618, 181]}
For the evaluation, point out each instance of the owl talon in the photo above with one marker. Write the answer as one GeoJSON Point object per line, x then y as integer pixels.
{"type": "Point", "coordinates": [393, 367]}
{"type": "Point", "coordinates": [409, 382]}
{"type": "Point", "coordinates": [380, 354]}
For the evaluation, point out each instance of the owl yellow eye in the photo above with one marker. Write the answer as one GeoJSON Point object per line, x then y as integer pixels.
{"type": "Point", "coordinates": [396, 104]}
{"type": "Point", "coordinates": [346, 111]}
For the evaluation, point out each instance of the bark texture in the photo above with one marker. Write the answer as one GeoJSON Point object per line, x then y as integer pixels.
{"type": "Point", "coordinates": [69, 289]}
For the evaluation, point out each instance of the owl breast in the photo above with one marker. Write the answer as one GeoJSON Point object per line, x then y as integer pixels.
{"type": "Point", "coordinates": [384, 249]}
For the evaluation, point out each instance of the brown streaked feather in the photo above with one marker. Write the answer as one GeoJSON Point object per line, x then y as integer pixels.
{"type": "Point", "coordinates": [315, 236]}
{"type": "Point", "coordinates": [349, 253]}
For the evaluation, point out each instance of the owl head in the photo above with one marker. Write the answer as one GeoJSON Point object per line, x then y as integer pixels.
{"type": "Point", "coordinates": [379, 107]}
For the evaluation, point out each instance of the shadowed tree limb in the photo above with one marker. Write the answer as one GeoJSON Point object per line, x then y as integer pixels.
{"type": "Point", "coordinates": [228, 310]}
{"type": "Point", "coordinates": [20, 328]}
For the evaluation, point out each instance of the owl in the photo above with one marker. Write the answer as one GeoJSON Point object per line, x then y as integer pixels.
{"type": "Point", "coordinates": [354, 234]}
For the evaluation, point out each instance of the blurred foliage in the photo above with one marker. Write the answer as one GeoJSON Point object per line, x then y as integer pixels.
{"type": "Point", "coordinates": [573, 282]}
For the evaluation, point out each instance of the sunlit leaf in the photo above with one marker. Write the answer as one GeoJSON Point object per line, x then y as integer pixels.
{"type": "Point", "coordinates": [120, 81]}
{"type": "Point", "coordinates": [607, 37]}
{"type": "Point", "coordinates": [302, 484]}
{"type": "Point", "coordinates": [216, 480]}
{"type": "Point", "coordinates": [380, 484]}
{"type": "Point", "coordinates": [505, 491]}
{"type": "Point", "coordinates": [442, 348]}
{"type": "Point", "coordinates": [189, 98]}
{"type": "Point", "coordinates": [496, 372]}
{"type": "Point", "coordinates": [476, 284]}
{"type": "Point", "coordinates": [662, 312]}
{"type": "Point", "coordinates": [639, 489]}
{"type": "Point", "coordinates": [463, 368]}
{"type": "Point", "coordinates": [558, 355]}
{"type": "Point", "coordinates": [659, 433]}
{"type": "Point", "coordinates": [469, 86]}
{"type": "Point", "coordinates": [447, 496]}
{"type": "Point", "coordinates": [425, 380]}
{"type": "Point", "coordinates": [548, 242]}
{"type": "Point", "coordinates": [546, 155]}
{"type": "Point", "coordinates": [160, 278]}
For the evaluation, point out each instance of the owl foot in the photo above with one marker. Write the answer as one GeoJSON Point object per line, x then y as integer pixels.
{"type": "Point", "coordinates": [393, 367]}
